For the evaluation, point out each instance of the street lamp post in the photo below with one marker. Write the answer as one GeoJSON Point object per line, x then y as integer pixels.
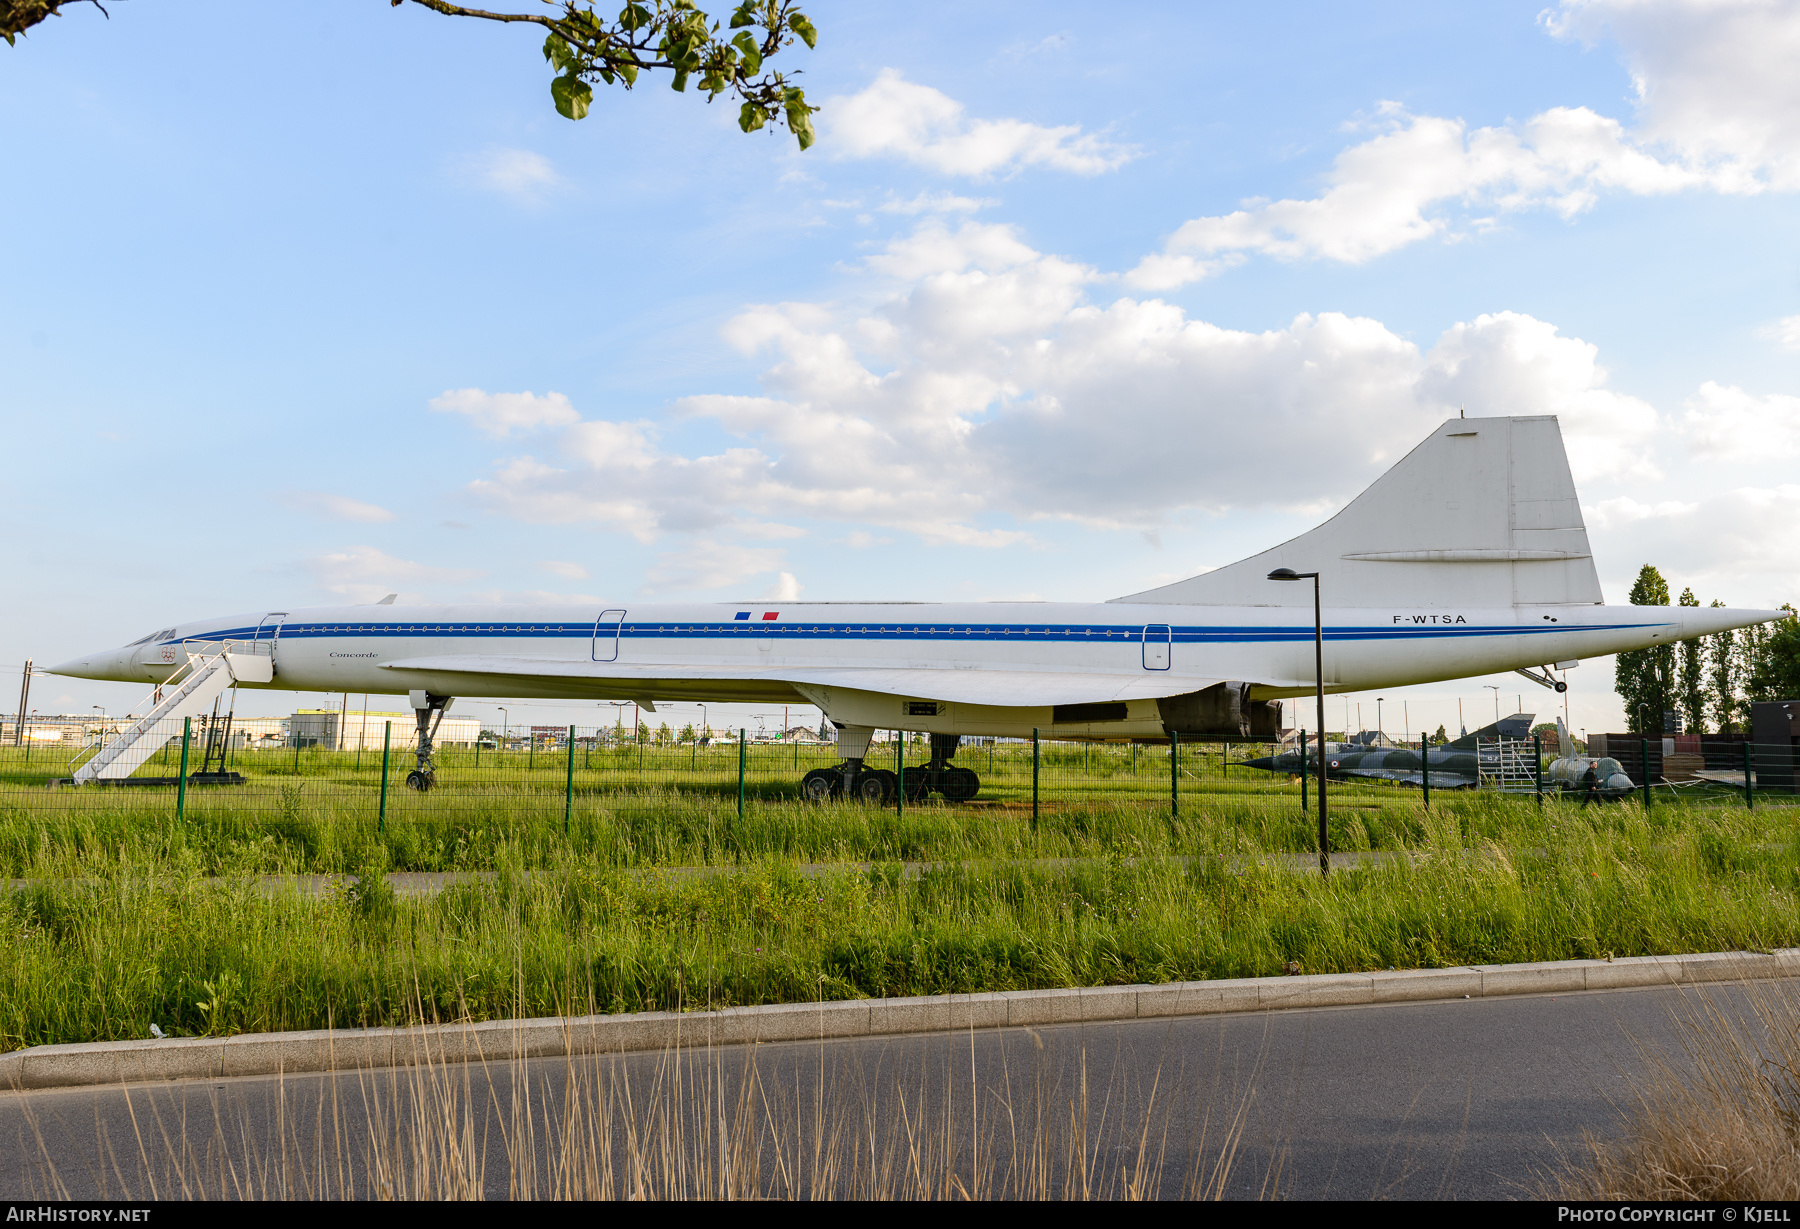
{"type": "Point", "coordinates": [1495, 688]}
{"type": "Point", "coordinates": [505, 724]}
{"type": "Point", "coordinates": [1319, 675]}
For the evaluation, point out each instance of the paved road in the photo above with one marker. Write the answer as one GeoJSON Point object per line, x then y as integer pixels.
{"type": "Point", "coordinates": [1465, 1099]}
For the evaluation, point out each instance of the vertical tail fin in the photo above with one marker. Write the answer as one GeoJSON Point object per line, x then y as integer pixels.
{"type": "Point", "coordinates": [1565, 746]}
{"type": "Point", "coordinates": [1483, 513]}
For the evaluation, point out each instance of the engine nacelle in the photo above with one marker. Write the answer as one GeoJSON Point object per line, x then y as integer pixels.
{"type": "Point", "coordinates": [1223, 712]}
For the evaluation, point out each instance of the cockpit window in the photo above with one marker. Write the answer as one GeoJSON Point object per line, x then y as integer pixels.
{"type": "Point", "coordinates": [1608, 768]}
{"type": "Point", "coordinates": [143, 640]}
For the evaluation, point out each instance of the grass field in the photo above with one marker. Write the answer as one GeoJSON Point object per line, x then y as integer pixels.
{"type": "Point", "coordinates": [128, 917]}
{"type": "Point", "coordinates": [321, 812]}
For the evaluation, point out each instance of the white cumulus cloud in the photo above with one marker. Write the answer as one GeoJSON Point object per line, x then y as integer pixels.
{"type": "Point", "coordinates": [1784, 333]}
{"type": "Point", "coordinates": [1715, 80]}
{"type": "Point", "coordinates": [559, 567]}
{"type": "Point", "coordinates": [337, 507]}
{"type": "Point", "coordinates": [1725, 423]}
{"type": "Point", "coordinates": [897, 118]}
{"type": "Point", "coordinates": [500, 414]}
{"type": "Point", "coordinates": [367, 573]}
{"type": "Point", "coordinates": [1395, 188]}
{"type": "Point", "coordinates": [526, 177]}
{"type": "Point", "coordinates": [986, 389]}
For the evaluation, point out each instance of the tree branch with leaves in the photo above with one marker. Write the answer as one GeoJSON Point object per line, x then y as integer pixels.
{"type": "Point", "coordinates": [583, 48]}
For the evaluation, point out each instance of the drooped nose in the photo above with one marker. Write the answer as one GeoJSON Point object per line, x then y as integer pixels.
{"type": "Point", "coordinates": [1266, 763]}
{"type": "Point", "coordinates": [112, 665]}
{"type": "Point", "coordinates": [1620, 781]}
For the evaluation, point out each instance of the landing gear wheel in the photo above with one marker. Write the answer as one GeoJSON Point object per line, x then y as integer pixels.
{"type": "Point", "coordinates": [1561, 687]}
{"type": "Point", "coordinates": [959, 784]}
{"type": "Point", "coordinates": [420, 781]}
{"type": "Point", "coordinates": [918, 783]}
{"type": "Point", "coordinates": [875, 788]}
{"type": "Point", "coordinates": [821, 784]}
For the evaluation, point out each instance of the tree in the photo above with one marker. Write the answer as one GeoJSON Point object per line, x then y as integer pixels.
{"type": "Point", "coordinates": [687, 732]}
{"type": "Point", "coordinates": [1644, 678]}
{"type": "Point", "coordinates": [663, 734]}
{"type": "Point", "coordinates": [1772, 672]}
{"type": "Point", "coordinates": [583, 47]}
{"type": "Point", "coordinates": [1722, 677]}
{"type": "Point", "coordinates": [1691, 687]}
{"type": "Point", "coordinates": [1441, 736]}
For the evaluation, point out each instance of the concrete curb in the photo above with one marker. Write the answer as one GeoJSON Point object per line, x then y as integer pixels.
{"type": "Point", "coordinates": [115, 1062]}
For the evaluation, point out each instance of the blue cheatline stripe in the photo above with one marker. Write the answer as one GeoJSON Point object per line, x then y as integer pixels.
{"type": "Point", "coordinates": [1059, 633]}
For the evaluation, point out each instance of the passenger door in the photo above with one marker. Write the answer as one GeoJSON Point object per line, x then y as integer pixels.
{"type": "Point", "coordinates": [1158, 639]}
{"type": "Point", "coordinates": [606, 635]}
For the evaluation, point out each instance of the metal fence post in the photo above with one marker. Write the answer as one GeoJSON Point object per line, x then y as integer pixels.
{"type": "Point", "coordinates": [1036, 759]}
{"type": "Point", "coordinates": [1644, 763]}
{"type": "Point", "coordinates": [1425, 768]}
{"type": "Point", "coordinates": [1537, 766]}
{"type": "Point", "coordinates": [899, 772]}
{"type": "Point", "coordinates": [1175, 775]}
{"type": "Point", "coordinates": [187, 737]}
{"type": "Point", "coordinates": [1303, 772]}
{"type": "Point", "coordinates": [387, 740]}
{"type": "Point", "coordinates": [741, 754]}
{"type": "Point", "coordinates": [569, 785]}
{"type": "Point", "coordinates": [1749, 796]}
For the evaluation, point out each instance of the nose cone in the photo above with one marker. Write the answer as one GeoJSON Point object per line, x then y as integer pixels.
{"type": "Point", "coordinates": [1619, 781]}
{"type": "Point", "coordinates": [109, 665]}
{"type": "Point", "coordinates": [1266, 763]}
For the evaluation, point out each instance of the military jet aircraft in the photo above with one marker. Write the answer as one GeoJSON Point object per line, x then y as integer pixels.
{"type": "Point", "coordinates": [1455, 765]}
{"type": "Point", "coordinates": [1569, 771]}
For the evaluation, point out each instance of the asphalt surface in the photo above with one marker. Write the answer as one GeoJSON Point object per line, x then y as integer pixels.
{"type": "Point", "coordinates": [1471, 1099]}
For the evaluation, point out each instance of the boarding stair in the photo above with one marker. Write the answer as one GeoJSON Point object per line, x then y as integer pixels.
{"type": "Point", "coordinates": [211, 667]}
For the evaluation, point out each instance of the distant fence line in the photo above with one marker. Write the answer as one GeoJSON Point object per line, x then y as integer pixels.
{"type": "Point", "coordinates": [588, 766]}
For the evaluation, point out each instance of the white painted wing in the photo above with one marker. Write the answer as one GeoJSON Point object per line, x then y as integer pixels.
{"type": "Point", "coordinates": [988, 685]}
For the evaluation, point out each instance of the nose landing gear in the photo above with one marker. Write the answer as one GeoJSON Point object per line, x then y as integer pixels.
{"type": "Point", "coordinates": [424, 777]}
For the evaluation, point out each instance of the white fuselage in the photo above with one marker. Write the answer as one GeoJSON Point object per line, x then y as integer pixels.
{"type": "Point", "coordinates": [724, 653]}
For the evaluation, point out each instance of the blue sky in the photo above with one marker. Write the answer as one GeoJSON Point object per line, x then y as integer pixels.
{"type": "Point", "coordinates": [309, 303]}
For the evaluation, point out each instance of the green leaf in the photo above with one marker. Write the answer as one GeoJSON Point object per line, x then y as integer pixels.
{"type": "Point", "coordinates": [629, 72]}
{"type": "Point", "coordinates": [634, 16]}
{"type": "Point", "coordinates": [558, 52]}
{"type": "Point", "coordinates": [751, 117]}
{"type": "Point", "coordinates": [799, 117]}
{"type": "Point", "coordinates": [573, 97]}
{"type": "Point", "coordinates": [804, 28]}
{"type": "Point", "coordinates": [744, 16]}
{"type": "Point", "coordinates": [752, 54]}
{"type": "Point", "coordinates": [679, 84]}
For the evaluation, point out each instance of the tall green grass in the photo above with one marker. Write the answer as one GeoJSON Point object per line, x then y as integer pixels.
{"type": "Point", "coordinates": [304, 828]}
{"type": "Point", "coordinates": [140, 936]}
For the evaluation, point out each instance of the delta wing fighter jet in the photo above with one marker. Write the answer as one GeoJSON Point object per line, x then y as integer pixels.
{"type": "Point", "coordinates": [1468, 557]}
{"type": "Point", "coordinates": [1455, 765]}
{"type": "Point", "coordinates": [1569, 771]}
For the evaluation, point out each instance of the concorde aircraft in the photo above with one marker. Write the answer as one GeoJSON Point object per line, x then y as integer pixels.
{"type": "Point", "coordinates": [1469, 556]}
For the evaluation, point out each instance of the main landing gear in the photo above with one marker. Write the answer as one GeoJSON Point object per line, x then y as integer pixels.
{"type": "Point", "coordinates": [877, 786]}
{"type": "Point", "coordinates": [424, 705]}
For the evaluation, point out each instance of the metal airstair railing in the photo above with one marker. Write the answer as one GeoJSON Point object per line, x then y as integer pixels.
{"type": "Point", "coordinates": [205, 658]}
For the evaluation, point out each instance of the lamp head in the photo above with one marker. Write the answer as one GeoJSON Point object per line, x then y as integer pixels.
{"type": "Point", "coordinates": [1284, 574]}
